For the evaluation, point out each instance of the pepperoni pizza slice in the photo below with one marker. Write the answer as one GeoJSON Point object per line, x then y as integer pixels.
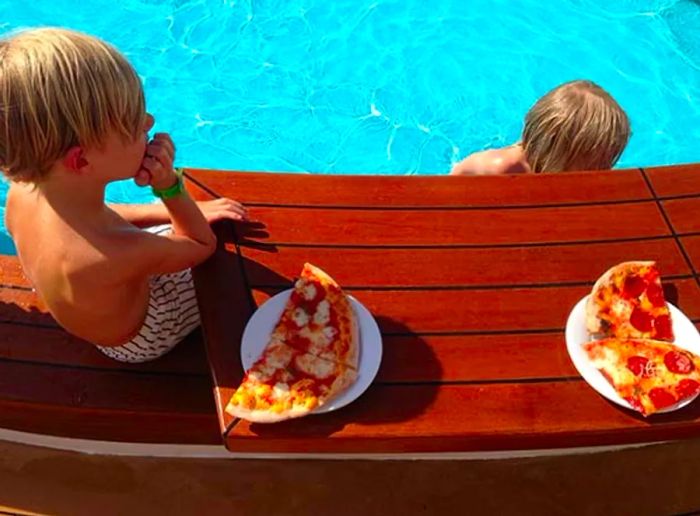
{"type": "Point", "coordinates": [649, 374]}
{"type": "Point", "coordinates": [628, 302]}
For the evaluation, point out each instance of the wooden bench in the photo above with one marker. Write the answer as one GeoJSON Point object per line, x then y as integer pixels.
{"type": "Point", "coordinates": [470, 280]}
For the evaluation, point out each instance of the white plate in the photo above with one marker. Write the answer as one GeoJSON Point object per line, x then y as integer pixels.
{"type": "Point", "coordinates": [687, 337]}
{"type": "Point", "coordinates": [259, 328]}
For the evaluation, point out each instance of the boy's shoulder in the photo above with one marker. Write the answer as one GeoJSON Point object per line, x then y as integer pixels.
{"type": "Point", "coordinates": [507, 160]}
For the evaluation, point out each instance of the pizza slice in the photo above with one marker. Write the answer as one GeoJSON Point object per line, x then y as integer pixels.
{"type": "Point", "coordinates": [649, 374]}
{"type": "Point", "coordinates": [285, 383]}
{"type": "Point", "coordinates": [319, 319]}
{"type": "Point", "coordinates": [311, 357]}
{"type": "Point", "coordinates": [628, 302]}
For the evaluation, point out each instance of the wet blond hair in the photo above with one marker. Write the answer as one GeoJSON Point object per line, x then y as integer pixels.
{"type": "Point", "coordinates": [59, 89]}
{"type": "Point", "coordinates": [576, 126]}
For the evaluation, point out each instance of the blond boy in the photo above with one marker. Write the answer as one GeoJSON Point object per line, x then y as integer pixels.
{"type": "Point", "coordinates": [576, 126]}
{"type": "Point", "coordinates": [72, 120]}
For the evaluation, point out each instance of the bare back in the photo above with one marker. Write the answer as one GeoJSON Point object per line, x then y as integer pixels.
{"type": "Point", "coordinates": [71, 263]}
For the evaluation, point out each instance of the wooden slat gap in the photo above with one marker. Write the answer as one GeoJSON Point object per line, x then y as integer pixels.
{"type": "Point", "coordinates": [16, 287]}
{"type": "Point", "coordinates": [502, 381]}
{"type": "Point", "coordinates": [441, 207]}
{"type": "Point", "coordinates": [265, 245]}
{"type": "Point", "coordinates": [676, 236]}
{"type": "Point", "coordinates": [201, 186]}
{"type": "Point", "coordinates": [109, 370]}
{"type": "Point", "coordinates": [484, 286]}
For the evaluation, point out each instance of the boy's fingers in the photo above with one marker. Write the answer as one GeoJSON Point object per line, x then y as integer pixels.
{"type": "Point", "coordinates": [159, 151]}
{"type": "Point", "coordinates": [164, 139]}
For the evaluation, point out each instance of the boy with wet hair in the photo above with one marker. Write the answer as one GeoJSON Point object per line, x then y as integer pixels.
{"type": "Point", "coordinates": [72, 120]}
{"type": "Point", "coordinates": [576, 126]}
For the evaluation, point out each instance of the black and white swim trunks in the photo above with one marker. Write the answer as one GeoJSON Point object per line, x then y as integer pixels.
{"type": "Point", "coordinates": [172, 315]}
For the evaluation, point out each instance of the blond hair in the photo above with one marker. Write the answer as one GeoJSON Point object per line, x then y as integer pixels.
{"type": "Point", "coordinates": [576, 126]}
{"type": "Point", "coordinates": [59, 89]}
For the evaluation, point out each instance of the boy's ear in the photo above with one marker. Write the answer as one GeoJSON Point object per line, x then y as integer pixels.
{"type": "Point", "coordinates": [74, 159]}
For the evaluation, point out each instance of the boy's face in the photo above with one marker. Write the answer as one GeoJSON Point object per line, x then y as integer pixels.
{"type": "Point", "coordinates": [120, 158]}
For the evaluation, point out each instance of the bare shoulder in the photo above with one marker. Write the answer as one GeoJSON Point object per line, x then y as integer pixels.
{"type": "Point", "coordinates": [509, 160]}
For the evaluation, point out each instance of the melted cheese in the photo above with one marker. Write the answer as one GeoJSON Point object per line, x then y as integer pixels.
{"type": "Point", "coordinates": [621, 308]}
{"type": "Point", "coordinates": [300, 317]}
{"type": "Point", "coordinates": [323, 313]}
{"type": "Point", "coordinates": [318, 339]}
{"type": "Point", "coordinates": [309, 292]}
{"type": "Point", "coordinates": [314, 366]}
{"type": "Point", "coordinates": [278, 356]}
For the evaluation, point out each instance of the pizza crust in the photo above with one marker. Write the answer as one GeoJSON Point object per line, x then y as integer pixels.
{"type": "Point", "coordinates": [265, 416]}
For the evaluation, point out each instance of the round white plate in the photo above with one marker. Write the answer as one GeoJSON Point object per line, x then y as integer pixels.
{"type": "Point", "coordinates": [687, 337]}
{"type": "Point", "coordinates": [259, 328]}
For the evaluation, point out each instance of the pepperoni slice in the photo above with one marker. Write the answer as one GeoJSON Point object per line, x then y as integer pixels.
{"type": "Point", "coordinates": [679, 362]}
{"type": "Point", "coordinates": [655, 294]}
{"type": "Point", "coordinates": [633, 286]}
{"type": "Point", "coordinates": [661, 398]}
{"type": "Point", "coordinates": [641, 320]}
{"type": "Point", "coordinates": [662, 326]}
{"type": "Point", "coordinates": [687, 388]}
{"type": "Point", "coordinates": [637, 364]}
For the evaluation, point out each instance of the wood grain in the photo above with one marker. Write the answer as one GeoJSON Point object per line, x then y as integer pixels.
{"type": "Point", "coordinates": [358, 268]}
{"type": "Point", "coordinates": [479, 311]}
{"type": "Point", "coordinates": [416, 191]}
{"type": "Point", "coordinates": [675, 180]}
{"type": "Point", "coordinates": [337, 227]}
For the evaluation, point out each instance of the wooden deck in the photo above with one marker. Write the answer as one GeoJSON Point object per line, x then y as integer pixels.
{"type": "Point", "coordinates": [470, 280]}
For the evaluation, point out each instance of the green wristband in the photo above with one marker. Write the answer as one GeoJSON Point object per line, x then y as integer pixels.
{"type": "Point", "coordinates": [172, 191]}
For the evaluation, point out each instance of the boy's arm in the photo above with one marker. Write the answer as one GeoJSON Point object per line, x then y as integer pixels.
{"type": "Point", "coordinates": [191, 241]}
{"type": "Point", "coordinates": [145, 215]}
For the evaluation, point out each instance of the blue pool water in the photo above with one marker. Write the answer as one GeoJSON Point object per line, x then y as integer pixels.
{"type": "Point", "coordinates": [386, 86]}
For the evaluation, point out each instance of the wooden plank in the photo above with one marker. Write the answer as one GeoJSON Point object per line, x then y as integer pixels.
{"type": "Point", "coordinates": [683, 214]}
{"type": "Point", "coordinates": [57, 347]}
{"type": "Point", "coordinates": [225, 305]}
{"type": "Point", "coordinates": [675, 180]}
{"type": "Point", "coordinates": [375, 191]}
{"type": "Point", "coordinates": [197, 191]}
{"type": "Point", "coordinates": [337, 227]}
{"type": "Point", "coordinates": [487, 310]}
{"type": "Point", "coordinates": [474, 358]}
{"type": "Point", "coordinates": [117, 390]}
{"type": "Point", "coordinates": [692, 247]}
{"type": "Point", "coordinates": [467, 418]}
{"type": "Point", "coordinates": [363, 268]}
{"type": "Point", "coordinates": [179, 427]}
{"type": "Point", "coordinates": [11, 272]}
{"type": "Point", "coordinates": [24, 307]}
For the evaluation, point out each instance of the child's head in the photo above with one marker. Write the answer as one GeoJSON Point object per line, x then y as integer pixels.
{"type": "Point", "coordinates": [576, 126]}
{"type": "Point", "coordinates": [60, 89]}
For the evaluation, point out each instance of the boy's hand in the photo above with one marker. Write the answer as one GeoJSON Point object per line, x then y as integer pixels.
{"type": "Point", "coordinates": [223, 208]}
{"type": "Point", "coordinates": [157, 166]}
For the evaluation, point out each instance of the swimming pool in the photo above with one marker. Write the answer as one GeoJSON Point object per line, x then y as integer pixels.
{"type": "Point", "coordinates": [387, 86]}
